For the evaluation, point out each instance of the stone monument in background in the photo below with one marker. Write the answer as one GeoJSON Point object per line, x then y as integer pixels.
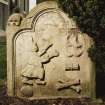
{"type": "Point", "coordinates": [47, 56]}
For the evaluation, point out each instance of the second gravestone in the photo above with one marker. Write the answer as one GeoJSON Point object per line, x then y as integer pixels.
{"type": "Point", "coordinates": [48, 56]}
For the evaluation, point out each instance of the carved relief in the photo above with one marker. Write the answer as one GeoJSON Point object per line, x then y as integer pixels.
{"type": "Point", "coordinates": [47, 55]}
{"type": "Point", "coordinates": [15, 19]}
{"type": "Point", "coordinates": [75, 43]}
{"type": "Point", "coordinates": [72, 66]}
{"type": "Point", "coordinates": [35, 67]}
{"type": "Point", "coordinates": [34, 71]}
{"type": "Point", "coordinates": [74, 49]}
{"type": "Point", "coordinates": [72, 84]}
{"type": "Point", "coordinates": [27, 90]}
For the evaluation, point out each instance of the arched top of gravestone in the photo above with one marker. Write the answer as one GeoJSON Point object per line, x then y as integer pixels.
{"type": "Point", "coordinates": [42, 8]}
{"type": "Point", "coordinates": [49, 52]}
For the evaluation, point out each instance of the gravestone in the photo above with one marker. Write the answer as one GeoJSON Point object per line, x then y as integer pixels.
{"type": "Point", "coordinates": [47, 56]}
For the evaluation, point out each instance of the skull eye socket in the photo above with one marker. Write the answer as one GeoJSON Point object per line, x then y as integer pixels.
{"type": "Point", "coordinates": [14, 20]}
{"type": "Point", "coordinates": [11, 21]}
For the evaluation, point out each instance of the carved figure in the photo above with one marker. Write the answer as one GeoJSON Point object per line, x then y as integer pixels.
{"type": "Point", "coordinates": [47, 57]}
{"type": "Point", "coordinates": [75, 43]}
{"type": "Point", "coordinates": [15, 19]}
{"type": "Point", "coordinates": [34, 70]}
{"type": "Point", "coordinates": [74, 49]}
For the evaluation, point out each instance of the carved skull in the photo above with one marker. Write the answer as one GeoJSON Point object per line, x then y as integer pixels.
{"type": "Point", "coordinates": [15, 19]}
{"type": "Point", "coordinates": [75, 43]}
{"type": "Point", "coordinates": [74, 49]}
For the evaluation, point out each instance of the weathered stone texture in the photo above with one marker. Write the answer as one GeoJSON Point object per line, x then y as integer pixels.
{"type": "Point", "coordinates": [48, 56]}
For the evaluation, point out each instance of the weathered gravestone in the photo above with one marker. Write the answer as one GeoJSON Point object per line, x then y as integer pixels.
{"type": "Point", "coordinates": [48, 56]}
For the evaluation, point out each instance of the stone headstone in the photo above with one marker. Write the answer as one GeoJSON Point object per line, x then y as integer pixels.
{"type": "Point", "coordinates": [47, 56]}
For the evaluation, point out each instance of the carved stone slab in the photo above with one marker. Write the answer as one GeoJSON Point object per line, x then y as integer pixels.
{"type": "Point", "coordinates": [48, 56]}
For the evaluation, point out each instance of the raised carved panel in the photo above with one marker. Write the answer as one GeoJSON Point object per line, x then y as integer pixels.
{"type": "Point", "coordinates": [50, 59]}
